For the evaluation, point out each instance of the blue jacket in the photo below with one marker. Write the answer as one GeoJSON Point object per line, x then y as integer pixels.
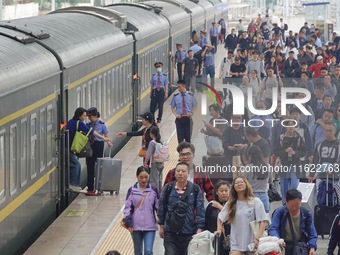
{"type": "Point", "coordinates": [195, 217]}
{"type": "Point", "coordinates": [279, 221]}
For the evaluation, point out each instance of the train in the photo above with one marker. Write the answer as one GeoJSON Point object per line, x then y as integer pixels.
{"type": "Point", "coordinates": [69, 58]}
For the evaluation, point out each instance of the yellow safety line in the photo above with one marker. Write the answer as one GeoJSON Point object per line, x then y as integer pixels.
{"type": "Point", "coordinates": [119, 238]}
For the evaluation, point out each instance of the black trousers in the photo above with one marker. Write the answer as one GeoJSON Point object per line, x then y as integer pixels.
{"type": "Point", "coordinates": [184, 129]}
{"type": "Point", "coordinates": [98, 148]}
{"type": "Point", "coordinates": [157, 99]}
{"type": "Point", "coordinates": [213, 40]}
{"type": "Point", "coordinates": [176, 244]}
{"type": "Point", "coordinates": [179, 71]}
{"type": "Point", "coordinates": [223, 31]}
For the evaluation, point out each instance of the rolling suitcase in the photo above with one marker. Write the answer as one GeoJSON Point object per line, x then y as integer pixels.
{"type": "Point", "coordinates": [108, 174]}
{"type": "Point", "coordinates": [324, 215]}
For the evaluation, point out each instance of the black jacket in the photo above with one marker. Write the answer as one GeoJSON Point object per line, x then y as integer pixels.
{"type": "Point", "coordinates": [230, 42]}
{"type": "Point", "coordinates": [335, 236]}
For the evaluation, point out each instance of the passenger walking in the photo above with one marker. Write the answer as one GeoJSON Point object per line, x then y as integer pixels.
{"type": "Point", "coordinates": [139, 212]}
{"type": "Point", "coordinates": [241, 209]}
{"type": "Point", "coordinates": [294, 223]}
{"type": "Point", "coordinates": [334, 239]}
{"type": "Point", "coordinates": [97, 145]}
{"type": "Point", "coordinates": [148, 122]}
{"type": "Point", "coordinates": [78, 121]}
{"type": "Point", "coordinates": [211, 215]}
{"type": "Point", "coordinates": [159, 91]}
{"type": "Point", "coordinates": [186, 153]}
{"type": "Point", "coordinates": [181, 205]}
{"type": "Point", "coordinates": [183, 105]}
{"type": "Point", "coordinates": [222, 23]}
{"type": "Point", "coordinates": [190, 66]}
{"type": "Point", "coordinates": [156, 172]}
{"type": "Point", "coordinates": [209, 63]}
{"type": "Point", "coordinates": [290, 150]}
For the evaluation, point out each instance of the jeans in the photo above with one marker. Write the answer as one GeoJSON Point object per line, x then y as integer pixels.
{"type": "Point", "coordinates": [288, 183]}
{"type": "Point", "coordinates": [176, 244]}
{"type": "Point", "coordinates": [210, 70]}
{"type": "Point", "coordinates": [263, 196]}
{"type": "Point", "coordinates": [148, 237]}
{"type": "Point", "coordinates": [74, 170]}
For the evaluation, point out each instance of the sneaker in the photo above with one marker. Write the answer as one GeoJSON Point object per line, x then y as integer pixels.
{"type": "Point", "coordinates": [74, 187]}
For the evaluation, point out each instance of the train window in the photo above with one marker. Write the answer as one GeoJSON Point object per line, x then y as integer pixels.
{"type": "Point", "coordinates": [142, 72]}
{"type": "Point", "coordinates": [99, 94]}
{"type": "Point", "coordinates": [13, 159]}
{"type": "Point", "coordinates": [89, 94]}
{"type": "Point", "coordinates": [33, 156]}
{"type": "Point", "coordinates": [116, 85]}
{"type": "Point", "coordinates": [49, 136]}
{"type": "Point", "coordinates": [129, 81]}
{"type": "Point", "coordinates": [108, 93]}
{"type": "Point", "coordinates": [104, 91]}
{"type": "Point", "coordinates": [113, 77]}
{"type": "Point", "coordinates": [121, 86]}
{"type": "Point", "coordinates": [42, 139]}
{"type": "Point", "coordinates": [125, 84]}
{"type": "Point", "coordinates": [83, 94]}
{"type": "Point", "coordinates": [2, 162]}
{"type": "Point", "coordinates": [79, 97]}
{"type": "Point", "coordinates": [94, 93]}
{"type": "Point", "coordinates": [23, 151]}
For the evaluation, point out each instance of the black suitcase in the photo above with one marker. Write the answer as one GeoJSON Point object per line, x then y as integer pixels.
{"type": "Point", "coordinates": [217, 168]}
{"type": "Point", "coordinates": [324, 216]}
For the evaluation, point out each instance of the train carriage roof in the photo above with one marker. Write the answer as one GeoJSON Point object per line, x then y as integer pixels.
{"type": "Point", "coordinates": [21, 64]}
{"type": "Point", "coordinates": [141, 18]}
{"type": "Point", "coordinates": [174, 13]}
{"type": "Point", "coordinates": [76, 37]}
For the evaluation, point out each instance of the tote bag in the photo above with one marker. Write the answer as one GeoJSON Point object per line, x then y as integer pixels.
{"type": "Point", "coordinates": [79, 140]}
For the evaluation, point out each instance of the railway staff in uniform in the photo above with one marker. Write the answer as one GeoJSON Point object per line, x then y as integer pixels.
{"type": "Point", "coordinates": [182, 106]}
{"type": "Point", "coordinates": [213, 35]}
{"type": "Point", "coordinates": [180, 55]}
{"type": "Point", "coordinates": [159, 91]}
{"type": "Point", "coordinates": [97, 145]}
{"type": "Point", "coordinates": [79, 115]}
{"type": "Point", "coordinates": [202, 41]}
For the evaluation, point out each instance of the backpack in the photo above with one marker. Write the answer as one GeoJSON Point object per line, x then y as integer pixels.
{"type": "Point", "coordinates": [201, 243]}
{"type": "Point", "coordinates": [161, 153]}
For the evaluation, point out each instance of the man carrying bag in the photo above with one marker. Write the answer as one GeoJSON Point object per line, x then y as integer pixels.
{"type": "Point", "coordinates": [181, 212]}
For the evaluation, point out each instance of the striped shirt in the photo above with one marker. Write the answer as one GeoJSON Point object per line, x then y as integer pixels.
{"type": "Point", "coordinates": [180, 192]}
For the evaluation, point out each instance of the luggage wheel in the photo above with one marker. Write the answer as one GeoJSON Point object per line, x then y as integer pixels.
{"type": "Point", "coordinates": [115, 192]}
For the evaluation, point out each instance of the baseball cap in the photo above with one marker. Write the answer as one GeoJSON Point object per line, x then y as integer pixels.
{"type": "Point", "coordinates": [148, 116]}
{"type": "Point", "coordinates": [319, 57]}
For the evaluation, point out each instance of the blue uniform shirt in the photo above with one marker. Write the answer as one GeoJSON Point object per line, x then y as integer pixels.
{"type": "Point", "coordinates": [163, 78]}
{"type": "Point", "coordinates": [100, 127]}
{"type": "Point", "coordinates": [203, 41]}
{"type": "Point", "coordinates": [213, 31]}
{"type": "Point", "coordinates": [180, 56]}
{"type": "Point", "coordinates": [177, 102]}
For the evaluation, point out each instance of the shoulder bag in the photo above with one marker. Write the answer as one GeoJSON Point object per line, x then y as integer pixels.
{"type": "Point", "coordinates": [300, 248]}
{"type": "Point", "coordinates": [79, 140]}
{"type": "Point", "coordinates": [143, 150]}
{"type": "Point", "coordinates": [122, 223]}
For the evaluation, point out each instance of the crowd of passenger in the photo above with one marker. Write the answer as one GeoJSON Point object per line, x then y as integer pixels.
{"type": "Point", "coordinates": [265, 58]}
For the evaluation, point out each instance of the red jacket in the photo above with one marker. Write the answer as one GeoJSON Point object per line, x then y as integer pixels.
{"type": "Point", "coordinates": [201, 179]}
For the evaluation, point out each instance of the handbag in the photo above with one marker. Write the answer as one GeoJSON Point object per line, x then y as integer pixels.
{"type": "Point", "coordinates": [226, 240]}
{"type": "Point", "coordinates": [122, 222]}
{"type": "Point", "coordinates": [79, 140]}
{"type": "Point", "coordinates": [143, 150]}
{"type": "Point", "coordinates": [299, 248]}
{"type": "Point", "coordinates": [177, 217]}
{"type": "Point", "coordinates": [255, 226]}
{"type": "Point", "coordinates": [86, 152]}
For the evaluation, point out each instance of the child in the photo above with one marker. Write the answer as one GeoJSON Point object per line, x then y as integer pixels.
{"type": "Point", "coordinates": [156, 173]}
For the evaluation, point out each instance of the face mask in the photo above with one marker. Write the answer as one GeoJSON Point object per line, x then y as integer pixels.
{"type": "Point", "coordinates": [159, 69]}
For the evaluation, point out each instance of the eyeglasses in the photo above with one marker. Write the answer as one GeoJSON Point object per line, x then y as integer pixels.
{"type": "Point", "coordinates": [241, 182]}
{"type": "Point", "coordinates": [185, 154]}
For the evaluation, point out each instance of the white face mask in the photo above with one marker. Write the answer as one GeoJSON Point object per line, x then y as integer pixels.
{"type": "Point", "coordinates": [159, 69]}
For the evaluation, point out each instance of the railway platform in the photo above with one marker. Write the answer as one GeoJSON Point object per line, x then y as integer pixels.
{"type": "Point", "coordinates": [91, 224]}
